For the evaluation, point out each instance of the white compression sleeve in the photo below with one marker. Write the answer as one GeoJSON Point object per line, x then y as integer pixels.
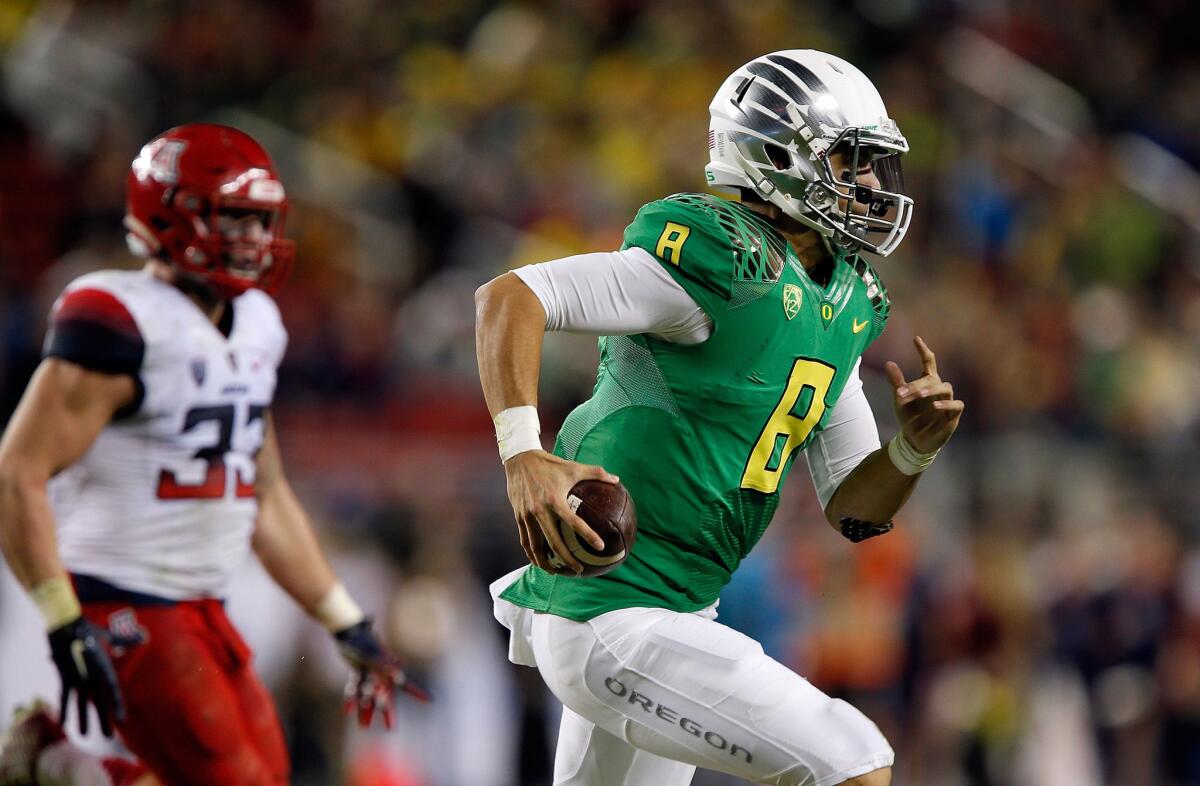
{"type": "Point", "coordinates": [616, 293]}
{"type": "Point", "coordinates": [629, 292]}
{"type": "Point", "coordinates": [850, 436]}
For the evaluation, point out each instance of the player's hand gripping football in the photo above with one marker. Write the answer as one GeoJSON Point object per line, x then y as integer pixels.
{"type": "Point", "coordinates": [86, 669]}
{"type": "Point", "coordinates": [377, 673]}
{"type": "Point", "coordinates": [926, 408]}
{"type": "Point", "coordinates": [538, 485]}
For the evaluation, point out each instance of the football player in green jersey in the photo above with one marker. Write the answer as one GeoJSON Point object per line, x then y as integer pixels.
{"type": "Point", "coordinates": [731, 336]}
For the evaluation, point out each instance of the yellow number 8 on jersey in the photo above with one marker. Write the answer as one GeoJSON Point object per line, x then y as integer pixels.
{"type": "Point", "coordinates": [798, 412]}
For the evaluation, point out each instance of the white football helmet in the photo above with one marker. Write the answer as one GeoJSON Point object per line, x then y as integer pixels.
{"type": "Point", "coordinates": [774, 122]}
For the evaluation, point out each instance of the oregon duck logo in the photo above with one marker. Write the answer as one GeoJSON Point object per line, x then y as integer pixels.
{"type": "Point", "coordinates": [792, 295]}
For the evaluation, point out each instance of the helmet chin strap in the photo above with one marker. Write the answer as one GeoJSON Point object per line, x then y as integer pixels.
{"type": "Point", "coordinates": [796, 209]}
{"type": "Point", "coordinates": [847, 249]}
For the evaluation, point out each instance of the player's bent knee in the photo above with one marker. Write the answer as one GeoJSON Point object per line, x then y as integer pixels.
{"type": "Point", "coordinates": [879, 777]}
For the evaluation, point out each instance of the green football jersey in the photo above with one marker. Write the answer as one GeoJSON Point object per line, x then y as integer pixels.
{"type": "Point", "coordinates": [704, 435]}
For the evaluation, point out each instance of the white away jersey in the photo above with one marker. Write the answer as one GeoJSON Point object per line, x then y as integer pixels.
{"type": "Point", "coordinates": [164, 501]}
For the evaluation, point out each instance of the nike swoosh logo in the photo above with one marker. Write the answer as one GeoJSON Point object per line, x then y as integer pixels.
{"type": "Point", "coordinates": [857, 327]}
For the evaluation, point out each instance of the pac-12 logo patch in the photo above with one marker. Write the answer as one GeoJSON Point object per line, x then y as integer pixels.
{"type": "Point", "coordinates": [792, 297]}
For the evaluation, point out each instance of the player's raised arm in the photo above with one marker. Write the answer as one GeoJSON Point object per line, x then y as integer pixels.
{"type": "Point", "coordinates": [64, 409]}
{"type": "Point", "coordinates": [510, 323]}
{"type": "Point", "coordinates": [928, 414]}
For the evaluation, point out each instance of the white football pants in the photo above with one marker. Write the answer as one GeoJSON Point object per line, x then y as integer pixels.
{"type": "Point", "coordinates": [651, 694]}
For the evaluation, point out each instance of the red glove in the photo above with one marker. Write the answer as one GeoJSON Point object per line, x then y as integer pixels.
{"type": "Point", "coordinates": [376, 674]}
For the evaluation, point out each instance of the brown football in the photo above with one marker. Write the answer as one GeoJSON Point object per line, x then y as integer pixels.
{"type": "Point", "coordinates": [608, 509]}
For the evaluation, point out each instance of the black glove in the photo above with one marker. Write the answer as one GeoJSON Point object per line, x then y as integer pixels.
{"type": "Point", "coordinates": [376, 673]}
{"type": "Point", "coordinates": [85, 667]}
{"type": "Point", "coordinates": [856, 530]}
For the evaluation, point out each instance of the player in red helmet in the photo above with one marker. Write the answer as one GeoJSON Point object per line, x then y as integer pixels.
{"type": "Point", "coordinates": [142, 464]}
{"type": "Point", "coordinates": [189, 181]}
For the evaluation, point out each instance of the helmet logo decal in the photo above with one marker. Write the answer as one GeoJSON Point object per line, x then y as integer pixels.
{"type": "Point", "coordinates": [162, 162]}
{"type": "Point", "coordinates": [792, 297]}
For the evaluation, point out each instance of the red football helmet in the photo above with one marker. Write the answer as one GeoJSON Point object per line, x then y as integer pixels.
{"type": "Point", "coordinates": [186, 187]}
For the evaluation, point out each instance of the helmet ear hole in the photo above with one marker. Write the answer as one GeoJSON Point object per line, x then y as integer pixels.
{"type": "Point", "coordinates": [779, 157]}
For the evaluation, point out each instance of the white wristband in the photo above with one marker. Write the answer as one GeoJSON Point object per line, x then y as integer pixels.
{"type": "Point", "coordinates": [517, 431]}
{"type": "Point", "coordinates": [906, 458]}
{"type": "Point", "coordinates": [56, 601]}
{"type": "Point", "coordinates": [337, 610]}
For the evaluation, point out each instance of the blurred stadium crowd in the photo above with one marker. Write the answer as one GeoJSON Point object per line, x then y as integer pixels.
{"type": "Point", "coordinates": [1034, 619]}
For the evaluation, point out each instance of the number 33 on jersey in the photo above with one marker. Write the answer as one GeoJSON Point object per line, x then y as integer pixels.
{"type": "Point", "coordinates": [170, 482]}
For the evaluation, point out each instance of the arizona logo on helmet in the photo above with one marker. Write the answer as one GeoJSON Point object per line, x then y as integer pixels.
{"type": "Point", "coordinates": [160, 160]}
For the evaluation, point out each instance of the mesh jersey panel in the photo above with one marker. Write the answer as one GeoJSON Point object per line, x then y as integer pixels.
{"type": "Point", "coordinates": [628, 376]}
